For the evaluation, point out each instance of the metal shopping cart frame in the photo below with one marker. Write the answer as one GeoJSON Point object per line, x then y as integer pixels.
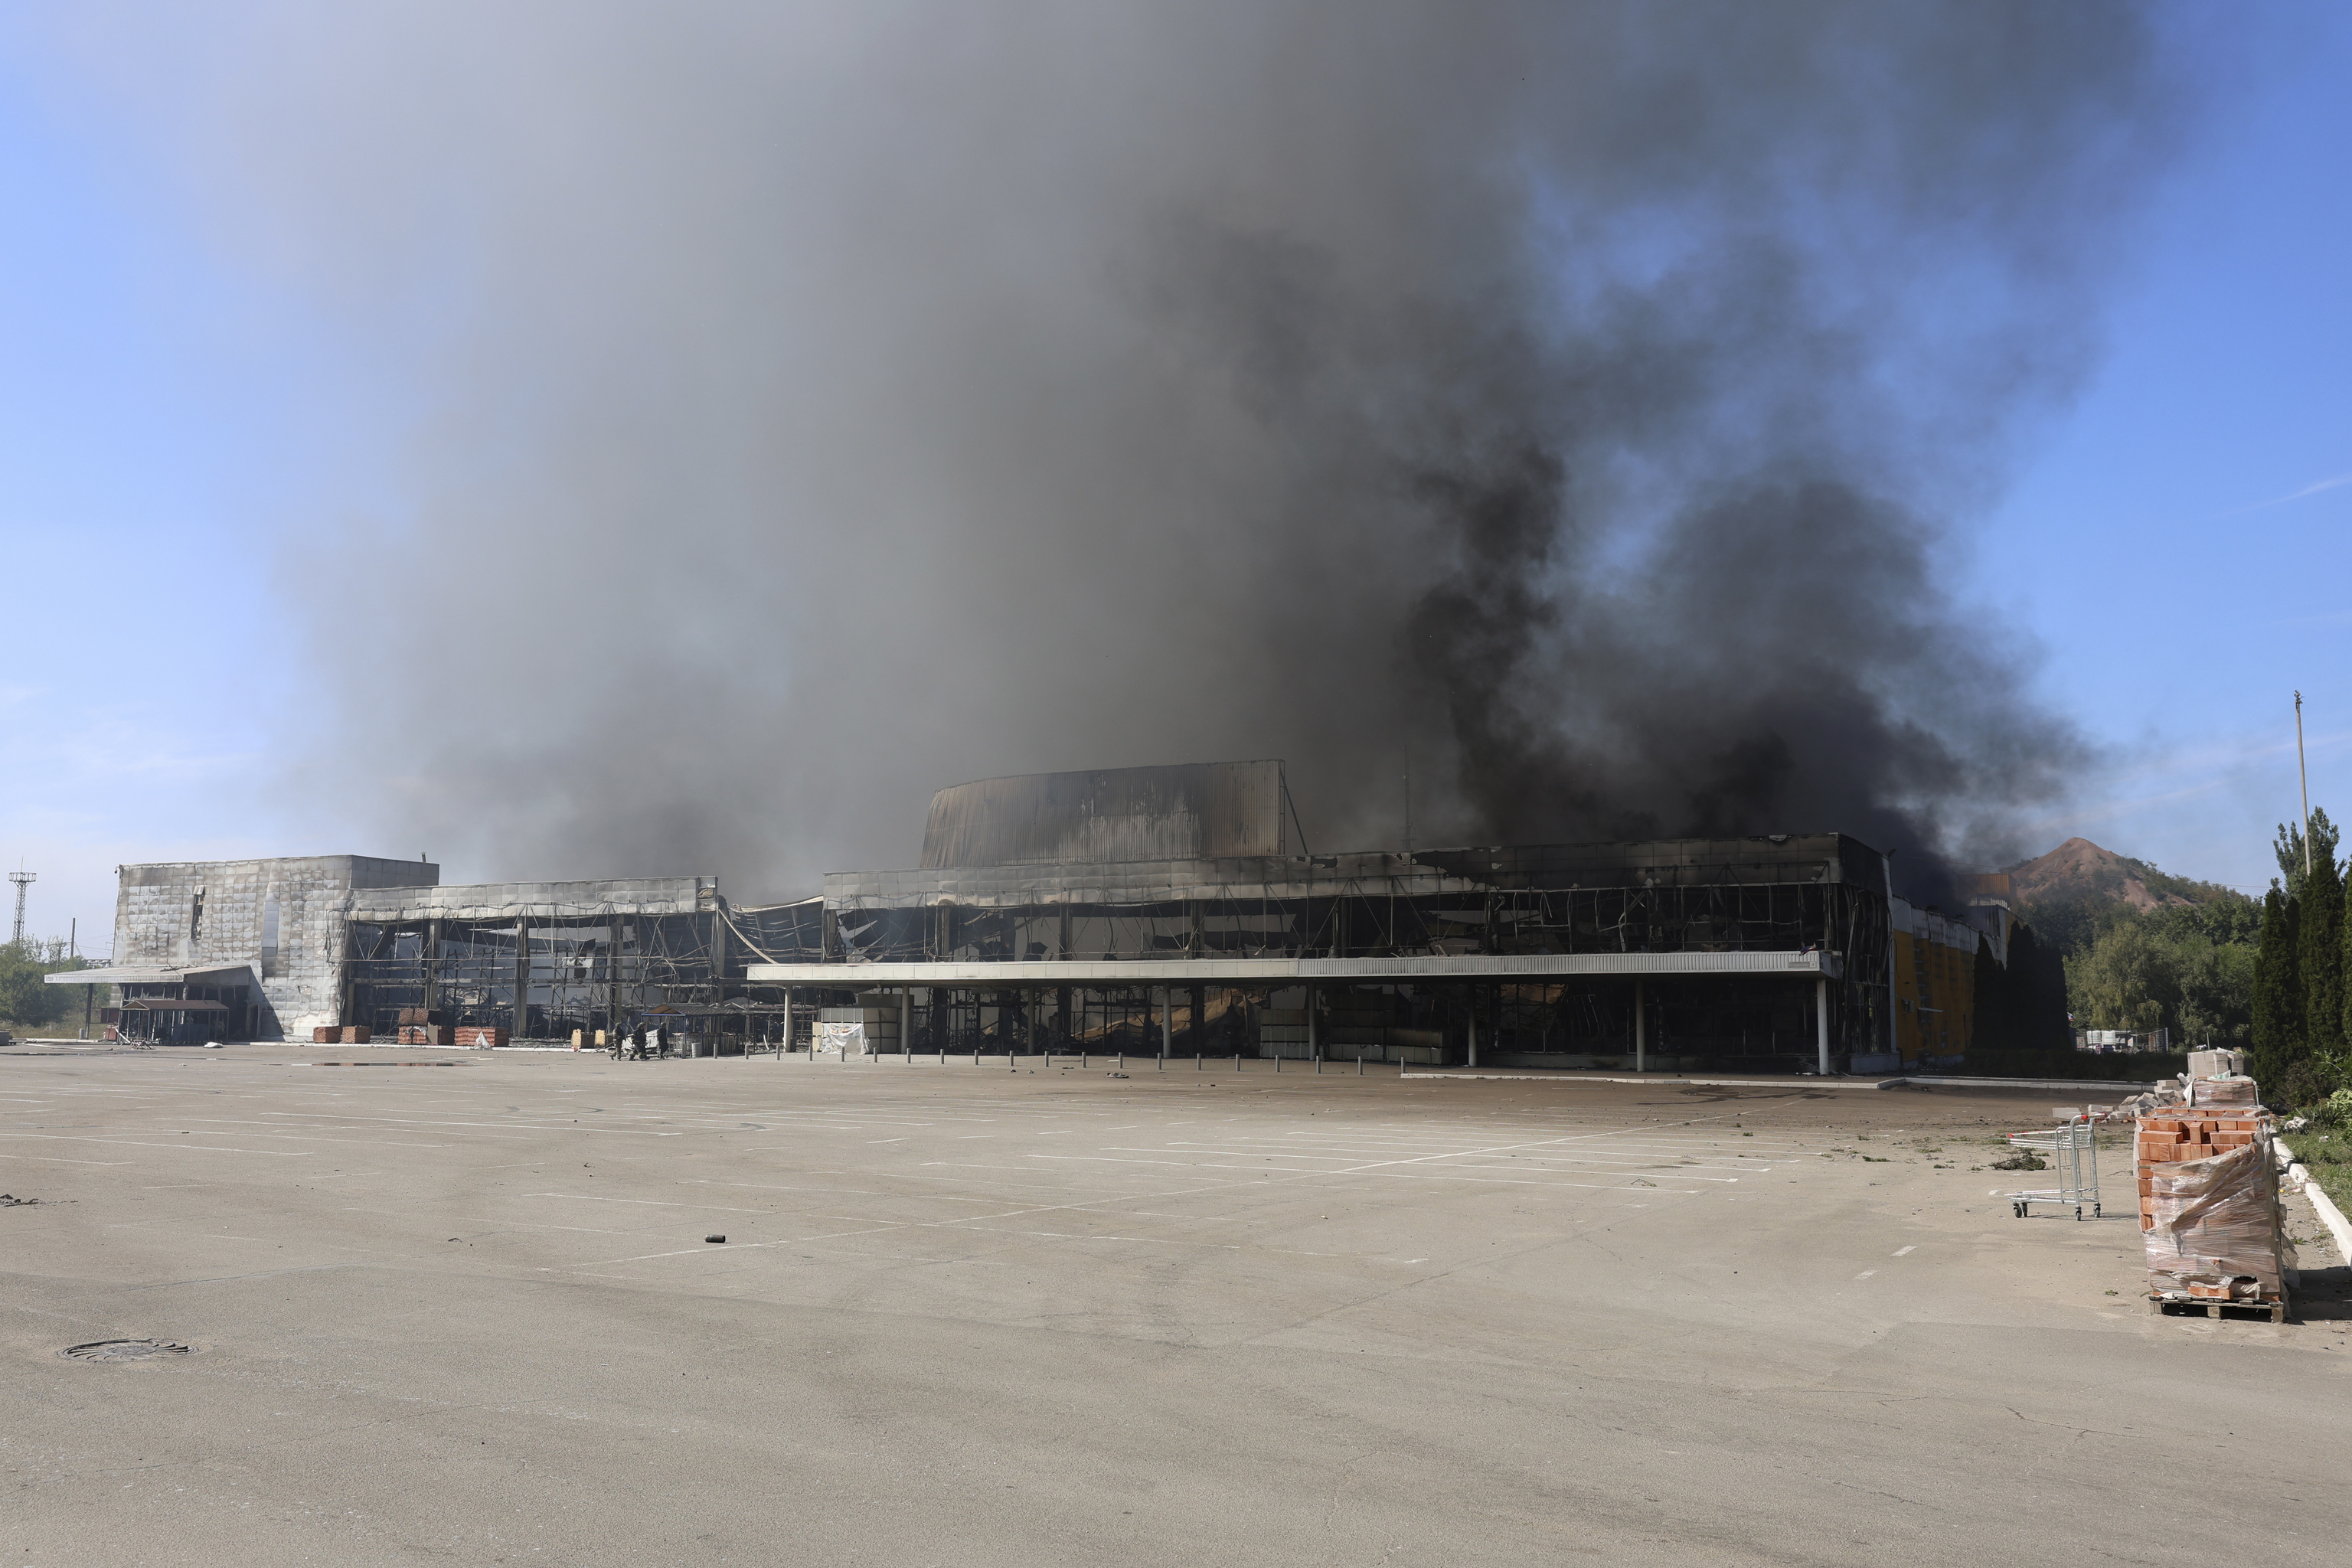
{"type": "Point", "coordinates": [2071, 1149]}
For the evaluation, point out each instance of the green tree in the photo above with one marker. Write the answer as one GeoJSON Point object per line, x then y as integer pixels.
{"type": "Point", "coordinates": [2319, 952]}
{"type": "Point", "coordinates": [2278, 1035]}
{"type": "Point", "coordinates": [2217, 997]}
{"type": "Point", "coordinates": [2128, 980]}
{"type": "Point", "coordinates": [2288, 848]}
{"type": "Point", "coordinates": [27, 1000]}
{"type": "Point", "coordinates": [2340, 1047]}
{"type": "Point", "coordinates": [2163, 969]}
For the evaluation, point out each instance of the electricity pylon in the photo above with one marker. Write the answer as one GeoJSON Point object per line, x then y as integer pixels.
{"type": "Point", "coordinates": [23, 879]}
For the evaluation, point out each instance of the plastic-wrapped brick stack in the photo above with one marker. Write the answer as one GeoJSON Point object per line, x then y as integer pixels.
{"type": "Point", "coordinates": [2209, 1204]}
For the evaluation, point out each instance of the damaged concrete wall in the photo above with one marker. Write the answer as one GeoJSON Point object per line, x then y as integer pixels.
{"type": "Point", "coordinates": [536, 900]}
{"type": "Point", "coordinates": [289, 921]}
{"type": "Point", "coordinates": [285, 917]}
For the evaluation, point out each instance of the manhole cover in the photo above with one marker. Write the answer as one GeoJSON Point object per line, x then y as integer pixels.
{"type": "Point", "coordinates": [123, 1350]}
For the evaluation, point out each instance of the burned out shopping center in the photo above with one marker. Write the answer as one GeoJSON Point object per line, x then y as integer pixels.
{"type": "Point", "coordinates": [1164, 910]}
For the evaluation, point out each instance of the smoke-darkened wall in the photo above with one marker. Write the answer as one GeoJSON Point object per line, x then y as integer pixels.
{"type": "Point", "coordinates": [814, 407]}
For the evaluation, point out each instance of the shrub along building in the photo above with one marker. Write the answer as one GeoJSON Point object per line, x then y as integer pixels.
{"type": "Point", "coordinates": [1177, 910]}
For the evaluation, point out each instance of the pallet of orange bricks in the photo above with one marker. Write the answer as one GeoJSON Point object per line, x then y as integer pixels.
{"type": "Point", "coordinates": [2209, 1212]}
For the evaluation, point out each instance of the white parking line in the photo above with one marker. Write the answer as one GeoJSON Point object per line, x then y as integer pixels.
{"type": "Point", "coordinates": [140, 1144]}
{"type": "Point", "coordinates": [61, 1160]}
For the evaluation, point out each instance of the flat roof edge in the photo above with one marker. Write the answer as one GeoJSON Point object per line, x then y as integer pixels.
{"type": "Point", "coordinates": [1288, 971]}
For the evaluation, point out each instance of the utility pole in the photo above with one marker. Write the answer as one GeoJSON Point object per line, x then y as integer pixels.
{"type": "Point", "coordinates": [23, 879]}
{"type": "Point", "coordinates": [2299, 770]}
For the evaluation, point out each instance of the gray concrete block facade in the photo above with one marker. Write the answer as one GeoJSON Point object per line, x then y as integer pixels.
{"type": "Point", "coordinates": [291, 925]}
{"type": "Point", "coordinates": [285, 917]}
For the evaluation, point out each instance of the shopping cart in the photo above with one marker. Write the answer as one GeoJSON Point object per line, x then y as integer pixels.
{"type": "Point", "coordinates": [2071, 1151]}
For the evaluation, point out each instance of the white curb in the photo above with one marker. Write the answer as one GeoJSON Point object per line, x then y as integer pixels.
{"type": "Point", "coordinates": [2329, 1214]}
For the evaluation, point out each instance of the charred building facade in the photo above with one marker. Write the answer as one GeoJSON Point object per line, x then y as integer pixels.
{"type": "Point", "coordinates": [274, 949]}
{"type": "Point", "coordinates": [1175, 910]}
{"type": "Point", "coordinates": [1151, 910]}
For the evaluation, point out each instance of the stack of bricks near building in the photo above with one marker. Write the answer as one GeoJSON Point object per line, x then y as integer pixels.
{"type": "Point", "coordinates": [481, 1036]}
{"type": "Point", "coordinates": [340, 1035]}
{"type": "Point", "coordinates": [2209, 1204]}
{"type": "Point", "coordinates": [419, 1026]}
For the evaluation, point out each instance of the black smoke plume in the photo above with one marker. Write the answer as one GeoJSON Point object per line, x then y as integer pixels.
{"type": "Point", "coordinates": [795, 410]}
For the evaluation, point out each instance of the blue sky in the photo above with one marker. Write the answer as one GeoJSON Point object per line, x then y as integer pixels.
{"type": "Point", "coordinates": [2171, 543]}
{"type": "Point", "coordinates": [2177, 543]}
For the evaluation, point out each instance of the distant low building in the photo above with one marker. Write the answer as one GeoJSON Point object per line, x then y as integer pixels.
{"type": "Point", "coordinates": [2123, 1040]}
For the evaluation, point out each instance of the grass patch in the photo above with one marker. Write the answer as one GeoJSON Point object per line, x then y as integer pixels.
{"type": "Point", "coordinates": [2327, 1153]}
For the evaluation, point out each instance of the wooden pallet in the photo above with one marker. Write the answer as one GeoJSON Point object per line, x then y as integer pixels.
{"type": "Point", "coordinates": [2199, 1306]}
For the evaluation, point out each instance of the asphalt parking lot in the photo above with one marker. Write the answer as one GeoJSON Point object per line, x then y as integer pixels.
{"type": "Point", "coordinates": [967, 1316]}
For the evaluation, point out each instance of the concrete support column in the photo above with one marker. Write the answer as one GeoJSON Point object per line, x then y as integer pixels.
{"type": "Point", "coordinates": [1641, 1036]}
{"type": "Point", "coordinates": [432, 960]}
{"type": "Point", "coordinates": [521, 980]}
{"type": "Point", "coordinates": [1893, 1005]}
{"type": "Point", "coordinates": [1313, 1030]}
{"type": "Point", "coordinates": [1166, 1016]}
{"type": "Point", "coordinates": [1821, 1020]}
{"type": "Point", "coordinates": [906, 1020]}
{"type": "Point", "coordinates": [612, 975]}
{"type": "Point", "coordinates": [1474, 1025]}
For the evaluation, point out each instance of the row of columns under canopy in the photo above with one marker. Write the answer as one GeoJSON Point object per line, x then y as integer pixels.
{"type": "Point", "coordinates": [1166, 1010]}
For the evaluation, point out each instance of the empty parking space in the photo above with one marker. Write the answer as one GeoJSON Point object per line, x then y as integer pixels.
{"type": "Point", "coordinates": [973, 1315]}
